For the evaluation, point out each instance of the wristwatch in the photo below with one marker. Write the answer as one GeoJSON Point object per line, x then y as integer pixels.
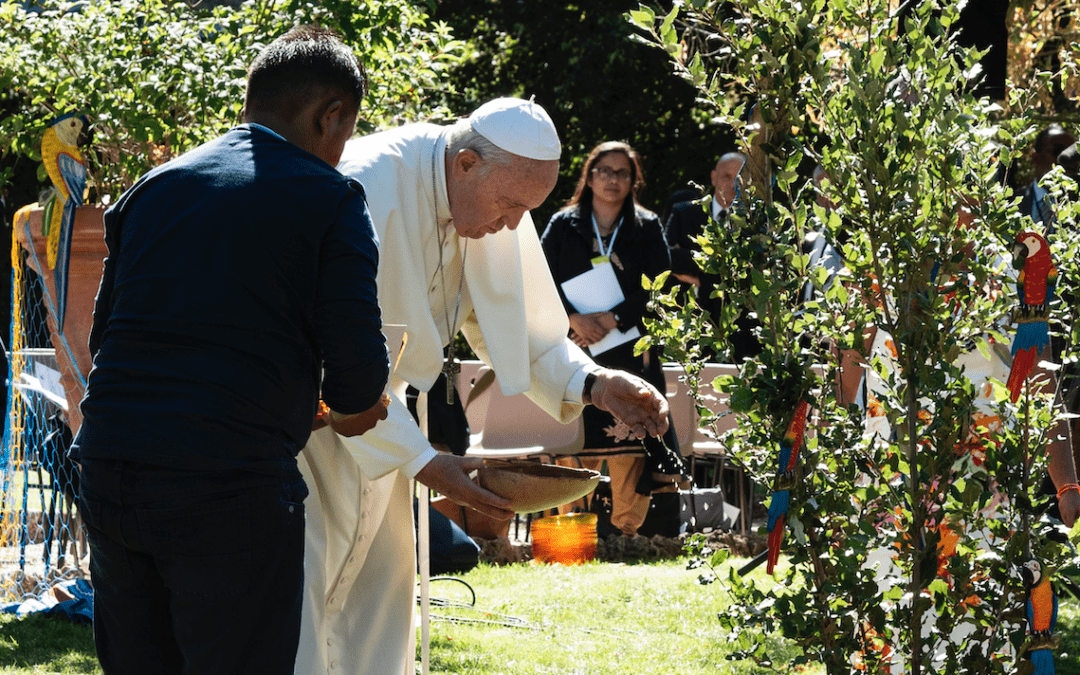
{"type": "Point", "coordinates": [586, 391]}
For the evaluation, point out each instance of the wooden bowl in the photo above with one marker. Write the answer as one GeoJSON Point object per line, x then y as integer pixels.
{"type": "Point", "coordinates": [533, 487]}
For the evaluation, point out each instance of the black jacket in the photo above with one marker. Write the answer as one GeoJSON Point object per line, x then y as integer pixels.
{"type": "Point", "coordinates": [686, 222]}
{"type": "Point", "coordinates": [640, 248]}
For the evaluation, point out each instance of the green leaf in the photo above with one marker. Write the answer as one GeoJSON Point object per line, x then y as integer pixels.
{"type": "Point", "coordinates": [643, 17]}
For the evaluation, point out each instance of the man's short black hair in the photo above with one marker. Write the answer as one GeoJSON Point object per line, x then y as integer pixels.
{"type": "Point", "coordinates": [300, 64]}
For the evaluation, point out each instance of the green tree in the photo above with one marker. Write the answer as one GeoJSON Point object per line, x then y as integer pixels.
{"type": "Point", "coordinates": [158, 78]}
{"type": "Point", "coordinates": [905, 149]}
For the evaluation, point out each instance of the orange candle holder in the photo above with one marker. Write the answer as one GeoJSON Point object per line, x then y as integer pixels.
{"type": "Point", "coordinates": [567, 540]}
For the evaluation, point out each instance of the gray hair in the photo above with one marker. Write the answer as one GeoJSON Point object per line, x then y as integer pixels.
{"type": "Point", "coordinates": [731, 156]}
{"type": "Point", "coordinates": [463, 137]}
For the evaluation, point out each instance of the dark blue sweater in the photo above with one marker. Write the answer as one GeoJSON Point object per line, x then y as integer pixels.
{"type": "Point", "coordinates": [237, 274]}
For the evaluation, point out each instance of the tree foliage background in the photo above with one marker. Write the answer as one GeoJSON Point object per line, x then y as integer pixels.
{"type": "Point", "coordinates": [598, 83]}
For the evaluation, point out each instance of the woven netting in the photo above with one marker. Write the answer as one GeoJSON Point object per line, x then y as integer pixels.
{"type": "Point", "coordinates": [40, 542]}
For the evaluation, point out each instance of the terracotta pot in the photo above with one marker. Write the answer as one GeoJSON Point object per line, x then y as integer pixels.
{"type": "Point", "coordinates": [88, 250]}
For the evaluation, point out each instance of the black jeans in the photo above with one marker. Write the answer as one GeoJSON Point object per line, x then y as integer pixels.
{"type": "Point", "coordinates": [194, 572]}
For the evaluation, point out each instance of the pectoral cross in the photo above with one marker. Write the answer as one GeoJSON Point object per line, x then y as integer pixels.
{"type": "Point", "coordinates": [451, 367]}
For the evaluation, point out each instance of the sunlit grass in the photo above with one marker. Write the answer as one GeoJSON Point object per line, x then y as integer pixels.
{"type": "Point", "coordinates": [596, 619]}
{"type": "Point", "coordinates": [39, 645]}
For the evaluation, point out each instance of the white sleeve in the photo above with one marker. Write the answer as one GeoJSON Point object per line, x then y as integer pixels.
{"type": "Point", "coordinates": [395, 443]}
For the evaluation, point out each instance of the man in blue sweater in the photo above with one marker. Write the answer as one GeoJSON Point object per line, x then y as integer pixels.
{"type": "Point", "coordinates": [240, 282]}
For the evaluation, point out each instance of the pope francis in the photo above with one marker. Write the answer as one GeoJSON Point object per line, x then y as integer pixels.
{"type": "Point", "coordinates": [458, 252]}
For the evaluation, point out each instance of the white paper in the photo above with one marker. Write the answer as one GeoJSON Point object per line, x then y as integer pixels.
{"type": "Point", "coordinates": [598, 291]}
{"type": "Point", "coordinates": [613, 339]}
{"type": "Point", "coordinates": [594, 291]}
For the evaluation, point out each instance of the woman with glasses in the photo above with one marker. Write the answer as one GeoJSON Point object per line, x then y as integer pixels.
{"type": "Point", "coordinates": [598, 247]}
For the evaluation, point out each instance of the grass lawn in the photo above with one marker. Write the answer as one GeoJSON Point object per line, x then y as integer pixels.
{"type": "Point", "coordinates": [607, 619]}
{"type": "Point", "coordinates": [36, 645]}
{"type": "Point", "coordinates": [594, 619]}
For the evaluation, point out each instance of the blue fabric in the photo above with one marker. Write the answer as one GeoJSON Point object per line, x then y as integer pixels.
{"type": "Point", "coordinates": [236, 273]}
{"type": "Point", "coordinates": [451, 550]}
{"type": "Point", "coordinates": [80, 609]}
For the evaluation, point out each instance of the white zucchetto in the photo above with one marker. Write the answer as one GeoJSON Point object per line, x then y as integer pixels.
{"type": "Point", "coordinates": [518, 126]}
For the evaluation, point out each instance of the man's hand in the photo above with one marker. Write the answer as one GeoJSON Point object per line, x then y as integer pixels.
{"type": "Point", "coordinates": [632, 400]}
{"type": "Point", "coordinates": [354, 425]}
{"type": "Point", "coordinates": [449, 476]}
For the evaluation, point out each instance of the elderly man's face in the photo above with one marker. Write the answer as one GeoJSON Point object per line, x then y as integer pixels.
{"type": "Point", "coordinates": [724, 178]}
{"type": "Point", "coordinates": [483, 202]}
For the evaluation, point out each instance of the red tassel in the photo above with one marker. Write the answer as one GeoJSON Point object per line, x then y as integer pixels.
{"type": "Point", "coordinates": [776, 539]}
{"type": "Point", "coordinates": [1022, 365]}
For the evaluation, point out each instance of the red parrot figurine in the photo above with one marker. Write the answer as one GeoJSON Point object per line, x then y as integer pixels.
{"type": "Point", "coordinates": [1042, 606]}
{"type": "Point", "coordinates": [786, 478]}
{"type": "Point", "coordinates": [1035, 286]}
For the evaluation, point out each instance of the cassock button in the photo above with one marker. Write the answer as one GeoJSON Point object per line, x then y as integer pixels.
{"type": "Point", "coordinates": [329, 642]}
{"type": "Point", "coordinates": [363, 515]}
{"type": "Point", "coordinates": [333, 665]}
{"type": "Point", "coordinates": [333, 600]}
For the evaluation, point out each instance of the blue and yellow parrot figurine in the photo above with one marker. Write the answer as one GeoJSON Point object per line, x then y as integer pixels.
{"type": "Point", "coordinates": [1035, 286]}
{"type": "Point", "coordinates": [1042, 607]}
{"type": "Point", "coordinates": [66, 169]}
{"type": "Point", "coordinates": [786, 479]}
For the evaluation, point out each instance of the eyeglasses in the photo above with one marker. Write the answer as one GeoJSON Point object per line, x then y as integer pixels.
{"type": "Point", "coordinates": [622, 175]}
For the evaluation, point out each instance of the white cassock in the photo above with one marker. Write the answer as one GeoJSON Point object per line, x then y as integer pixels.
{"type": "Point", "coordinates": [360, 566]}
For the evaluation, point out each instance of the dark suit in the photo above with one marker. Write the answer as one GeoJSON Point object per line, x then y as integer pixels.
{"type": "Point", "coordinates": [686, 222]}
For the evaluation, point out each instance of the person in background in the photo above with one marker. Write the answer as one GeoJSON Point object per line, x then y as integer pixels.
{"type": "Point", "coordinates": [240, 276]}
{"type": "Point", "coordinates": [686, 222]}
{"type": "Point", "coordinates": [603, 232]}
{"type": "Point", "coordinates": [1050, 143]}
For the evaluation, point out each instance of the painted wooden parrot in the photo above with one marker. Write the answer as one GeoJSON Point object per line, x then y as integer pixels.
{"type": "Point", "coordinates": [1035, 285]}
{"type": "Point", "coordinates": [1042, 607]}
{"type": "Point", "coordinates": [786, 479]}
{"type": "Point", "coordinates": [66, 169]}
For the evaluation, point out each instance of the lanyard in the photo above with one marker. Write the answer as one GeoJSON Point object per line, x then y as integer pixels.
{"type": "Point", "coordinates": [600, 241]}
